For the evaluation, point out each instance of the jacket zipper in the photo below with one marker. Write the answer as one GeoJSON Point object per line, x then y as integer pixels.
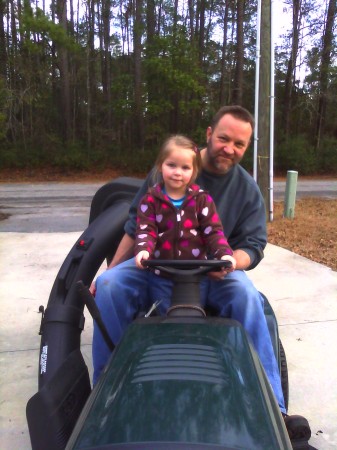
{"type": "Point", "coordinates": [177, 212]}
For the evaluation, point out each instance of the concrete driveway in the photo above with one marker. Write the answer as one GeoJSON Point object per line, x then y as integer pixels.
{"type": "Point", "coordinates": [302, 293]}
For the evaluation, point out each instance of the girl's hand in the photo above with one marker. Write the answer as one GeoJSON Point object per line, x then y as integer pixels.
{"type": "Point", "coordinates": [219, 275]}
{"type": "Point", "coordinates": [232, 260]}
{"type": "Point", "coordinates": [143, 255]}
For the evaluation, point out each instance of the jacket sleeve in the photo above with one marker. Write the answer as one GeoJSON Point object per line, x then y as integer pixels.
{"type": "Point", "coordinates": [130, 225]}
{"type": "Point", "coordinates": [250, 232]}
{"type": "Point", "coordinates": [211, 228]}
{"type": "Point", "coordinates": [146, 230]}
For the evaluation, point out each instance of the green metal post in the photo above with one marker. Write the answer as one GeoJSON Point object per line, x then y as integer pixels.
{"type": "Point", "coordinates": [290, 194]}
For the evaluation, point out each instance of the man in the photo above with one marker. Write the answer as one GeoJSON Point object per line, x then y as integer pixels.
{"type": "Point", "coordinates": [122, 292]}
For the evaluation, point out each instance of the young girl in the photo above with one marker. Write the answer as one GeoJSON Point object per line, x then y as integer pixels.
{"type": "Point", "coordinates": [176, 219]}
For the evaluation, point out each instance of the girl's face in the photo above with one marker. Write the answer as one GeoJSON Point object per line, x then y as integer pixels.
{"type": "Point", "coordinates": [177, 171]}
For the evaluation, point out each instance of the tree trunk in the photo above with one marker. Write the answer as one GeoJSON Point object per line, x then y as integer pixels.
{"type": "Point", "coordinates": [324, 71]}
{"type": "Point", "coordinates": [61, 11]}
{"type": "Point", "coordinates": [3, 47]}
{"type": "Point", "coordinates": [106, 73]}
{"type": "Point", "coordinates": [191, 14]}
{"type": "Point", "coordinates": [201, 44]}
{"type": "Point", "coordinates": [289, 83]}
{"type": "Point", "coordinates": [137, 39]}
{"type": "Point", "coordinates": [150, 21]}
{"type": "Point", "coordinates": [263, 157]}
{"type": "Point", "coordinates": [238, 79]}
{"type": "Point", "coordinates": [222, 93]}
{"type": "Point", "coordinates": [90, 76]}
{"type": "Point", "coordinates": [174, 113]}
{"type": "Point", "coordinates": [151, 52]}
{"type": "Point", "coordinates": [160, 8]}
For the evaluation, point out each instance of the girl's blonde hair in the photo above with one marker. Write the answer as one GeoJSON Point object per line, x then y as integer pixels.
{"type": "Point", "coordinates": [184, 142]}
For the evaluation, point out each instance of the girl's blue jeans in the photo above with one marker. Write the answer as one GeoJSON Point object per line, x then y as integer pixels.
{"type": "Point", "coordinates": [125, 290]}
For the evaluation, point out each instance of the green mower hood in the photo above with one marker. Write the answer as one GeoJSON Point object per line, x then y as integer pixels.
{"type": "Point", "coordinates": [180, 381]}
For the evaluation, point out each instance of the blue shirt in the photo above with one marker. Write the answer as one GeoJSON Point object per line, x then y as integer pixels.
{"type": "Point", "coordinates": [177, 202]}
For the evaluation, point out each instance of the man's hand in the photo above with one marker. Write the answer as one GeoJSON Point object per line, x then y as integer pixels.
{"type": "Point", "coordinates": [242, 259]}
{"type": "Point", "coordinates": [92, 288]}
{"type": "Point", "coordinates": [143, 255]}
{"type": "Point", "coordinates": [123, 252]}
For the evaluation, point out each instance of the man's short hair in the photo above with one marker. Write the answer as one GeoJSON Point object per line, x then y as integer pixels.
{"type": "Point", "coordinates": [236, 111]}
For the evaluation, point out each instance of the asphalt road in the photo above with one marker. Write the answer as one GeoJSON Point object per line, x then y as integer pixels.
{"type": "Point", "coordinates": [64, 207]}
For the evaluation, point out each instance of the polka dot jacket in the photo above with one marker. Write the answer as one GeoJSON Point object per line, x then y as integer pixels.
{"type": "Point", "coordinates": [191, 231]}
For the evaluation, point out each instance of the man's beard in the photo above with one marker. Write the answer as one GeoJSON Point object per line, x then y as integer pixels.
{"type": "Point", "coordinates": [218, 163]}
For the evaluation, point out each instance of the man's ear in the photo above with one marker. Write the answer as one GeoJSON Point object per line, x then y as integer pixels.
{"type": "Point", "coordinates": [208, 133]}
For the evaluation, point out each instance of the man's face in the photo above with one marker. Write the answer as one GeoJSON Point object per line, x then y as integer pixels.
{"type": "Point", "coordinates": [226, 144]}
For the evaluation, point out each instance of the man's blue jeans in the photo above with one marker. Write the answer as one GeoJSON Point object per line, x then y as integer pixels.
{"type": "Point", "coordinates": [125, 290]}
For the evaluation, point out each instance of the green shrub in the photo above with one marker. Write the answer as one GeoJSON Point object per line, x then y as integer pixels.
{"type": "Point", "coordinates": [72, 156]}
{"type": "Point", "coordinates": [10, 157]}
{"type": "Point", "coordinates": [327, 157]}
{"type": "Point", "coordinates": [133, 161]}
{"type": "Point", "coordinates": [297, 154]}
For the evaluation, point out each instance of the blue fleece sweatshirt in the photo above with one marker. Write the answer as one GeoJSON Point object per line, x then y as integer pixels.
{"type": "Point", "coordinates": [239, 204]}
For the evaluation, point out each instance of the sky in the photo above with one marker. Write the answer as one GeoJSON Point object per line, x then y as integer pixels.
{"type": "Point", "coordinates": [281, 19]}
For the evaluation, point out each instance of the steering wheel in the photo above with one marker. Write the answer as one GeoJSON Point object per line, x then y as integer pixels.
{"type": "Point", "coordinates": [183, 268]}
{"type": "Point", "coordinates": [186, 275]}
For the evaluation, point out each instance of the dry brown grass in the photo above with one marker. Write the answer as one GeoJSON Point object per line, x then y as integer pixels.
{"type": "Point", "coordinates": [312, 233]}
